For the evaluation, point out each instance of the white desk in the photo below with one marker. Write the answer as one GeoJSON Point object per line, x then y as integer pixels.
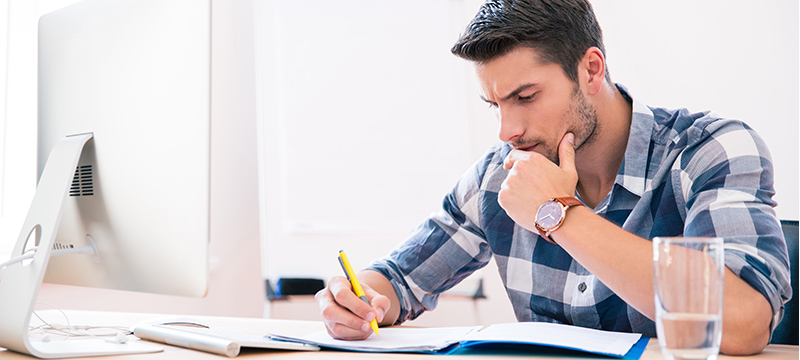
{"type": "Point", "coordinates": [299, 327]}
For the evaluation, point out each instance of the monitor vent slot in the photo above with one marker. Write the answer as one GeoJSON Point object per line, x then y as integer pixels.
{"type": "Point", "coordinates": [62, 245]}
{"type": "Point", "coordinates": [82, 182]}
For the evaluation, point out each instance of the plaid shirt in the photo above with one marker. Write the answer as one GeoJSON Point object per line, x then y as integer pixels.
{"type": "Point", "coordinates": [683, 174]}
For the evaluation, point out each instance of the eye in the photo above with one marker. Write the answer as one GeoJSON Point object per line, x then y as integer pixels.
{"type": "Point", "coordinates": [526, 98]}
{"type": "Point", "coordinates": [492, 105]}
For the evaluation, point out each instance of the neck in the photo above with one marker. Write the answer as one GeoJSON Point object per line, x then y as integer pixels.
{"type": "Point", "coordinates": [598, 163]}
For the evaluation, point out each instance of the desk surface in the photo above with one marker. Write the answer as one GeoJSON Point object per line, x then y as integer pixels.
{"type": "Point", "coordinates": [297, 327]}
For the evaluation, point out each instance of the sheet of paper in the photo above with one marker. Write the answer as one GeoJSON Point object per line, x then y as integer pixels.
{"type": "Point", "coordinates": [405, 339]}
{"type": "Point", "coordinates": [392, 339]}
{"type": "Point", "coordinates": [559, 335]}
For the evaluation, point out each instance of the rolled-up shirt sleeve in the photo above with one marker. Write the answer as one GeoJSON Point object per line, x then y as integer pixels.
{"type": "Point", "coordinates": [726, 182]}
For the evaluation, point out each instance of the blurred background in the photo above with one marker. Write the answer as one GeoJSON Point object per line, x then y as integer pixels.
{"type": "Point", "coordinates": [365, 120]}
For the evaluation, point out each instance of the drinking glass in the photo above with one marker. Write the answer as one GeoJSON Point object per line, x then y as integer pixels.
{"type": "Point", "coordinates": [688, 274]}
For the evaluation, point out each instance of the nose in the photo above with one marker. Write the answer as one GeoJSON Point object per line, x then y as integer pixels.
{"type": "Point", "coordinates": [511, 126]}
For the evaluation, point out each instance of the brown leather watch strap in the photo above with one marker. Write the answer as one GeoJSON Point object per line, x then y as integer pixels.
{"type": "Point", "coordinates": [543, 234]}
{"type": "Point", "coordinates": [568, 202]}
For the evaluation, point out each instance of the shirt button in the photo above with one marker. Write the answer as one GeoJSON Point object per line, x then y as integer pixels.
{"type": "Point", "coordinates": [582, 287]}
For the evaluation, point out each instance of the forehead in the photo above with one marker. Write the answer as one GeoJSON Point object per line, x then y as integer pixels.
{"type": "Point", "coordinates": [521, 66]}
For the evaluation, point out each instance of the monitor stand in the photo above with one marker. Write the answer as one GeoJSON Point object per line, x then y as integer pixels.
{"type": "Point", "coordinates": [20, 283]}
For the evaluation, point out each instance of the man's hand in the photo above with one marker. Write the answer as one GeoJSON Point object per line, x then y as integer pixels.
{"type": "Point", "coordinates": [346, 316]}
{"type": "Point", "coordinates": [533, 179]}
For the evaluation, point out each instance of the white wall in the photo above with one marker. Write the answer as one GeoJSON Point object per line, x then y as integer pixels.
{"type": "Point", "coordinates": [735, 57]}
{"type": "Point", "coordinates": [332, 107]}
{"type": "Point", "coordinates": [364, 114]}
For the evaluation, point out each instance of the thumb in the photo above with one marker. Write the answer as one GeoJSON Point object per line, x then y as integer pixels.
{"type": "Point", "coordinates": [381, 304]}
{"type": "Point", "coordinates": [378, 301]}
{"type": "Point", "coordinates": [566, 152]}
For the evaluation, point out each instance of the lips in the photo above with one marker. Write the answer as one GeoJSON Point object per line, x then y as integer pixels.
{"type": "Point", "coordinates": [529, 148]}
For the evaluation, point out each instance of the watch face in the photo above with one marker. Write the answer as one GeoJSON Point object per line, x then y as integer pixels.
{"type": "Point", "coordinates": [549, 215]}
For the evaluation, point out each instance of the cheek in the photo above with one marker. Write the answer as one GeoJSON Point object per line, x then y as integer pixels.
{"type": "Point", "coordinates": [554, 110]}
{"type": "Point", "coordinates": [553, 120]}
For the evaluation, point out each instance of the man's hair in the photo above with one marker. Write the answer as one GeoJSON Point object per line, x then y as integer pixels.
{"type": "Point", "coordinates": [560, 30]}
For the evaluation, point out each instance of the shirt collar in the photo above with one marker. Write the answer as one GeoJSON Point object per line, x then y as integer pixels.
{"type": "Point", "coordinates": [632, 174]}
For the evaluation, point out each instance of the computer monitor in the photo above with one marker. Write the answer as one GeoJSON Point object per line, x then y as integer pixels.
{"type": "Point", "coordinates": [124, 160]}
{"type": "Point", "coordinates": [136, 75]}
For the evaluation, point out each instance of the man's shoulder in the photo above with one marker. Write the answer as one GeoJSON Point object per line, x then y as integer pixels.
{"type": "Point", "coordinates": [682, 127]}
{"type": "Point", "coordinates": [698, 143]}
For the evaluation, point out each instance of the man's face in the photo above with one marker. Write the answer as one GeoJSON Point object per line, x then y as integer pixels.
{"type": "Point", "coordinates": [536, 103]}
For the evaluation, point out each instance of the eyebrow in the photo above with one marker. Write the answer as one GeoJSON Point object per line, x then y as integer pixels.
{"type": "Point", "coordinates": [514, 93]}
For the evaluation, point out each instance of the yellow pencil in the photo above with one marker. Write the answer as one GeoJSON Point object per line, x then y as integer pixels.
{"type": "Point", "coordinates": [351, 275]}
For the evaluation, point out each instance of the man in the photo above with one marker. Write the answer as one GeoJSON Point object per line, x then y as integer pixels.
{"type": "Point", "coordinates": [625, 172]}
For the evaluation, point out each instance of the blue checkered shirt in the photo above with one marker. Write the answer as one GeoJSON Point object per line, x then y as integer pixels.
{"type": "Point", "coordinates": [690, 174]}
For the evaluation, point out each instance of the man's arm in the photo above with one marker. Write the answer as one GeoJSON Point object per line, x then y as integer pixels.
{"type": "Point", "coordinates": [346, 316]}
{"type": "Point", "coordinates": [623, 262]}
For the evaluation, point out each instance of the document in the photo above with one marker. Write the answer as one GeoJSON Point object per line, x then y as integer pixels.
{"type": "Point", "coordinates": [448, 340]}
{"type": "Point", "coordinates": [395, 339]}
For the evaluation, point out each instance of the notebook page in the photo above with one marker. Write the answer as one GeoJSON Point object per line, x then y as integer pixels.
{"type": "Point", "coordinates": [391, 339]}
{"type": "Point", "coordinates": [565, 336]}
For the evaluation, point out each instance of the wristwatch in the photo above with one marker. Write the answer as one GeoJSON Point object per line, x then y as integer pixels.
{"type": "Point", "coordinates": [551, 215]}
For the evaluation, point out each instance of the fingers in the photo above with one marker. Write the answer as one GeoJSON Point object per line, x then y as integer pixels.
{"type": "Point", "coordinates": [513, 157]}
{"type": "Point", "coordinates": [566, 152]}
{"type": "Point", "coordinates": [533, 179]}
{"type": "Point", "coordinates": [566, 155]}
{"type": "Point", "coordinates": [346, 316]}
{"type": "Point", "coordinates": [380, 303]}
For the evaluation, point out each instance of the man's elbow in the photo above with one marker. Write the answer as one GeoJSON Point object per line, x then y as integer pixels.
{"type": "Point", "coordinates": [746, 333]}
{"type": "Point", "coordinates": [746, 318]}
{"type": "Point", "coordinates": [745, 344]}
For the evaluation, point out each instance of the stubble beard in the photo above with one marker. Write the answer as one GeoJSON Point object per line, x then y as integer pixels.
{"type": "Point", "coordinates": [584, 124]}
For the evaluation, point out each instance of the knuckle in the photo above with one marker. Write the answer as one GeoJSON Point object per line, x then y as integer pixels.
{"type": "Point", "coordinates": [501, 196]}
{"type": "Point", "coordinates": [506, 194]}
{"type": "Point", "coordinates": [342, 331]}
{"type": "Point", "coordinates": [340, 296]}
{"type": "Point", "coordinates": [355, 325]}
{"type": "Point", "coordinates": [320, 295]}
{"type": "Point", "coordinates": [337, 329]}
{"type": "Point", "coordinates": [330, 331]}
{"type": "Point", "coordinates": [327, 312]}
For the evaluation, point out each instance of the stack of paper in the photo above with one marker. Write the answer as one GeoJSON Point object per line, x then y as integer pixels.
{"type": "Point", "coordinates": [396, 339]}
{"type": "Point", "coordinates": [451, 339]}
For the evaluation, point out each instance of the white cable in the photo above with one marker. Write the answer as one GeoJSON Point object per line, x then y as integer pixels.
{"type": "Point", "coordinates": [77, 330]}
{"type": "Point", "coordinates": [29, 254]}
{"type": "Point", "coordinates": [47, 328]}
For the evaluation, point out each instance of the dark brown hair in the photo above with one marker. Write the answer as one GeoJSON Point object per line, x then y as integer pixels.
{"type": "Point", "coordinates": [560, 30]}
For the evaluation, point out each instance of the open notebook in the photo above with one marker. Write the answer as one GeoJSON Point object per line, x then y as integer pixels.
{"type": "Point", "coordinates": [526, 337]}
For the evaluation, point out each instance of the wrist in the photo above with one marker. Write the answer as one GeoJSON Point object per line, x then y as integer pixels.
{"type": "Point", "coordinates": [551, 215]}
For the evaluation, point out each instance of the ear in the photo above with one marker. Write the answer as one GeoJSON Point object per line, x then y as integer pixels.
{"type": "Point", "coordinates": [593, 67]}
